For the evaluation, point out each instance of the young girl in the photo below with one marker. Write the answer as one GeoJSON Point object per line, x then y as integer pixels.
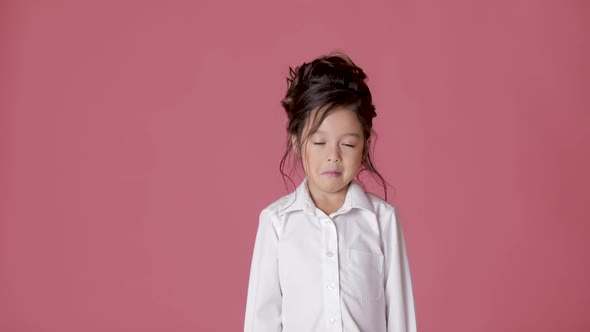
{"type": "Point", "coordinates": [329, 256]}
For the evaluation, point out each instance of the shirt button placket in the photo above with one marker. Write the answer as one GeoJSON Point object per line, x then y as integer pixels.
{"type": "Point", "coordinates": [331, 276]}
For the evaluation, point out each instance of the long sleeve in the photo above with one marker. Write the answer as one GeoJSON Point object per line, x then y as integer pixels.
{"type": "Point", "coordinates": [263, 305]}
{"type": "Point", "coordinates": [401, 315]}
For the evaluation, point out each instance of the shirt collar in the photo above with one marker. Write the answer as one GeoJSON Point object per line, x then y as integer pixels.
{"type": "Point", "coordinates": [356, 198]}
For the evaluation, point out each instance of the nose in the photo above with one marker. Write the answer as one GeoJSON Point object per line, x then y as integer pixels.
{"type": "Point", "coordinates": [334, 155]}
{"type": "Point", "coordinates": [336, 160]}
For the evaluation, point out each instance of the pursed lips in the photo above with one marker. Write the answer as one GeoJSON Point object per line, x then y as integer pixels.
{"type": "Point", "coordinates": [332, 173]}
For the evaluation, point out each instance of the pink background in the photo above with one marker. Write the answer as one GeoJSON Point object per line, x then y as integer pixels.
{"type": "Point", "coordinates": [139, 141]}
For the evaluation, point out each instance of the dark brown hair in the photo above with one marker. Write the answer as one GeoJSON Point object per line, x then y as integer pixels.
{"type": "Point", "coordinates": [329, 83]}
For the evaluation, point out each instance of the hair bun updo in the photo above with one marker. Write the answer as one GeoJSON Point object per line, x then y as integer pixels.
{"type": "Point", "coordinates": [331, 80]}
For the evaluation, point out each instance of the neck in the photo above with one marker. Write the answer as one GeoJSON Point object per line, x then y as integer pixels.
{"type": "Point", "coordinates": [328, 202]}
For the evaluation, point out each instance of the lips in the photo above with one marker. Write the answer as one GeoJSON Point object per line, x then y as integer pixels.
{"type": "Point", "coordinates": [332, 173]}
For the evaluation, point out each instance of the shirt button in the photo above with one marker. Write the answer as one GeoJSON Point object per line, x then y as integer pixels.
{"type": "Point", "coordinates": [330, 286]}
{"type": "Point", "coordinates": [332, 320]}
{"type": "Point", "coordinates": [329, 254]}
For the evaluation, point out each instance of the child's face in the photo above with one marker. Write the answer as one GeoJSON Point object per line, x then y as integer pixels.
{"type": "Point", "coordinates": [332, 156]}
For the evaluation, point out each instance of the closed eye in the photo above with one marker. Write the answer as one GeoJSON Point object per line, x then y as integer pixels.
{"type": "Point", "coordinates": [349, 145]}
{"type": "Point", "coordinates": [319, 143]}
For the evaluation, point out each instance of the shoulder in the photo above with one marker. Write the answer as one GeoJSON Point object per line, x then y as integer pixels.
{"type": "Point", "coordinates": [278, 206]}
{"type": "Point", "coordinates": [272, 215]}
{"type": "Point", "coordinates": [385, 211]}
{"type": "Point", "coordinates": [387, 218]}
{"type": "Point", "coordinates": [380, 205]}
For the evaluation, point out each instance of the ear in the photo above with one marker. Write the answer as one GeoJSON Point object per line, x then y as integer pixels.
{"type": "Point", "coordinates": [367, 146]}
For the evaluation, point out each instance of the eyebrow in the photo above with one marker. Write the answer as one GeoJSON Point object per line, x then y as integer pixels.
{"type": "Point", "coordinates": [347, 134]}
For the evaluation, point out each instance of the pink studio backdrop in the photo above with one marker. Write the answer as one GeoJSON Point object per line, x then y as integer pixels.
{"type": "Point", "coordinates": [139, 141]}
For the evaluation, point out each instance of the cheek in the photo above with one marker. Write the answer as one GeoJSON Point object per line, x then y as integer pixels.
{"type": "Point", "coordinates": [356, 157]}
{"type": "Point", "coordinates": [310, 155]}
{"type": "Point", "coordinates": [307, 160]}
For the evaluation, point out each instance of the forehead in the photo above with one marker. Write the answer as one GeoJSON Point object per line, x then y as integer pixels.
{"type": "Point", "coordinates": [337, 121]}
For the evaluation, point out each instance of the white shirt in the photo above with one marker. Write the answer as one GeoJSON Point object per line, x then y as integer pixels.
{"type": "Point", "coordinates": [345, 272]}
